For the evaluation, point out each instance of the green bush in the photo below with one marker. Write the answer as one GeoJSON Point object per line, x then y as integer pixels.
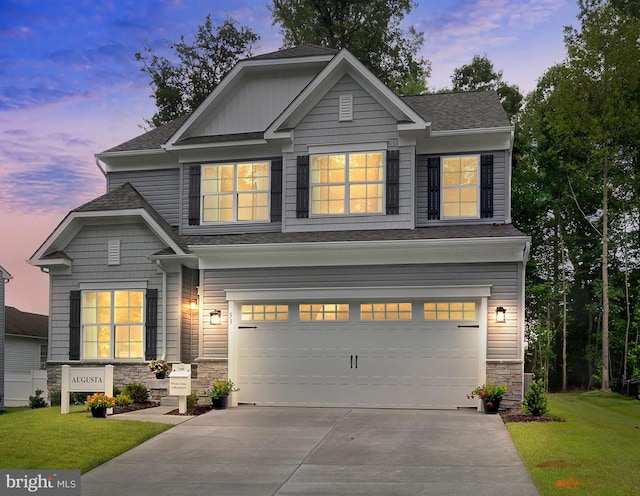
{"type": "Point", "coordinates": [55, 397]}
{"type": "Point", "coordinates": [123, 400]}
{"type": "Point", "coordinates": [78, 398]}
{"type": "Point", "coordinates": [137, 392]}
{"type": "Point", "coordinates": [116, 391]}
{"type": "Point", "coordinates": [192, 400]}
{"type": "Point", "coordinates": [37, 401]}
{"type": "Point", "coordinates": [535, 400]}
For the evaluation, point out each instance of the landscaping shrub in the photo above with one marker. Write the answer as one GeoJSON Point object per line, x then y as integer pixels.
{"type": "Point", "coordinates": [123, 400]}
{"type": "Point", "coordinates": [137, 392]}
{"type": "Point", "coordinates": [55, 397]}
{"type": "Point", "coordinates": [78, 398]}
{"type": "Point", "coordinates": [37, 401]}
{"type": "Point", "coordinates": [192, 400]}
{"type": "Point", "coordinates": [535, 400]}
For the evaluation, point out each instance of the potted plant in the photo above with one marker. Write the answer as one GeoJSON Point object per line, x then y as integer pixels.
{"type": "Point", "coordinates": [491, 395]}
{"type": "Point", "coordinates": [159, 368]}
{"type": "Point", "coordinates": [98, 403]}
{"type": "Point", "coordinates": [220, 391]}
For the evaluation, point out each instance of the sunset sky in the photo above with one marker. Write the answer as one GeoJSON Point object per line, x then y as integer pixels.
{"type": "Point", "coordinates": [70, 87]}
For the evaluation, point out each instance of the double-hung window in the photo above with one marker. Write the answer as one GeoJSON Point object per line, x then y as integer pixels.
{"type": "Point", "coordinates": [237, 192]}
{"type": "Point", "coordinates": [113, 324]}
{"type": "Point", "coordinates": [460, 190]}
{"type": "Point", "coordinates": [347, 183]}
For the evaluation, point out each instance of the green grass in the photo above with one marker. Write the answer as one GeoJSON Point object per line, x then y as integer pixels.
{"type": "Point", "coordinates": [594, 452]}
{"type": "Point", "coordinates": [45, 439]}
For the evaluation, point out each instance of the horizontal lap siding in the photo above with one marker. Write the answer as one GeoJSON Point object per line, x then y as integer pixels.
{"type": "Point", "coordinates": [88, 252]}
{"type": "Point", "coordinates": [502, 339]}
{"type": "Point", "coordinates": [371, 123]}
{"type": "Point", "coordinates": [161, 188]}
{"type": "Point", "coordinates": [23, 354]}
{"type": "Point", "coordinates": [499, 188]}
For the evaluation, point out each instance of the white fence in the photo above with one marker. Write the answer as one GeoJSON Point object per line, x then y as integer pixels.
{"type": "Point", "coordinates": [18, 387]}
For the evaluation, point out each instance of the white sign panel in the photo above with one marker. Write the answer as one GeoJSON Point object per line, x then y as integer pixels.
{"type": "Point", "coordinates": [86, 380]}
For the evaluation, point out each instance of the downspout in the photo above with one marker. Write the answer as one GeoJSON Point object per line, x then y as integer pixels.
{"type": "Point", "coordinates": [163, 356]}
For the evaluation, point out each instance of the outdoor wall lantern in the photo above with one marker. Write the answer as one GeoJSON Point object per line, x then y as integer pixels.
{"type": "Point", "coordinates": [215, 317]}
{"type": "Point", "coordinates": [193, 305]}
{"type": "Point", "coordinates": [501, 315]}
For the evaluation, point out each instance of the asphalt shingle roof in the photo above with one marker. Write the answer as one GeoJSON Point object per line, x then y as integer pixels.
{"type": "Point", "coordinates": [150, 140]}
{"type": "Point", "coordinates": [298, 51]}
{"type": "Point", "coordinates": [22, 323]}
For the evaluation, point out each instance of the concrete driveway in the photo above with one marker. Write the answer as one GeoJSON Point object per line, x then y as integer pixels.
{"type": "Point", "coordinates": [256, 451]}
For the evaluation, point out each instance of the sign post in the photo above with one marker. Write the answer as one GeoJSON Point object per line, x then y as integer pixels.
{"type": "Point", "coordinates": [180, 384]}
{"type": "Point", "coordinates": [85, 380]}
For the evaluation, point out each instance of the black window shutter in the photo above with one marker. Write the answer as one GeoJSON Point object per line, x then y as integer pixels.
{"type": "Point", "coordinates": [433, 188]}
{"type": "Point", "coordinates": [393, 182]}
{"type": "Point", "coordinates": [302, 196]}
{"type": "Point", "coordinates": [486, 186]}
{"type": "Point", "coordinates": [74, 325]}
{"type": "Point", "coordinates": [194, 195]}
{"type": "Point", "coordinates": [276, 190]}
{"type": "Point", "coordinates": [151, 329]}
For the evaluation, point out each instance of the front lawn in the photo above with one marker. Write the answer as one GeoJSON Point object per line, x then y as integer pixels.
{"type": "Point", "coordinates": [594, 452]}
{"type": "Point", "coordinates": [45, 439]}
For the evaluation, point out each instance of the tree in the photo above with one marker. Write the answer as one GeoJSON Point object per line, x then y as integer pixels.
{"type": "Point", "coordinates": [480, 75]}
{"type": "Point", "coordinates": [370, 30]}
{"type": "Point", "coordinates": [180, 86]}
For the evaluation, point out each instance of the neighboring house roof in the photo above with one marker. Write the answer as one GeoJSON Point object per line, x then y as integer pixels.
{"type": "Point", "coordinates": [6, 277]}
{"type": "Point", "coordinates": [21, 323]}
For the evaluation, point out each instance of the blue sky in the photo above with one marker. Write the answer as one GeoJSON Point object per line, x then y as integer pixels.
{"type": "Point", "coordinates": [70, 87]}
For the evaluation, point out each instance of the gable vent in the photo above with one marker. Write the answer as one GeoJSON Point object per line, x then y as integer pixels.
{"type": "Point", "coordinates": [346, 108]}
{"type": "Point", "coordinates": [113, 255]}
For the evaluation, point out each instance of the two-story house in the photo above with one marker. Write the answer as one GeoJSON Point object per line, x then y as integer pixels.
{"type": "Point", "coordinates": [5, 277]}
{"type": "Point", "coordinates": [307, 233]}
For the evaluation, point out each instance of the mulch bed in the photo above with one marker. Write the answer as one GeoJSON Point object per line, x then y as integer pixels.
{"type": "Point", "coordinates": [521, 417]}
{"type": "Point", "coordinates": [134, 407]}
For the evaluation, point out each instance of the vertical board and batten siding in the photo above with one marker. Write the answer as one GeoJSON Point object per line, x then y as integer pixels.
{"type": "Point", "coordinates": [161, 188]}
{"type": "Point", "coordinates": [502, 340]}
{"type": "Point", "coordinates": [220, 228]}
{"type": "Point", "coordinates": [371, 123]}
{"type": "Point", "coordinates": [88, 252]}
{"type": "Point", "coordinates": [499, 189]}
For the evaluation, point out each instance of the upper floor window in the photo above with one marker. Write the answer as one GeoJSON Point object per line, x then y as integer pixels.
{"type": "Point", "coordinates": [235, 192]}
{"type": "Point", "coordinates": [460, 186]}
{"type": "Point", "coordinates": [347, 183]}
{"type": "Point", "coordinates": [112, 324]}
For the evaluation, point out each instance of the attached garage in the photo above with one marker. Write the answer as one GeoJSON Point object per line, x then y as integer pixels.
{"type": "Point", "coordinates": [352, 348]}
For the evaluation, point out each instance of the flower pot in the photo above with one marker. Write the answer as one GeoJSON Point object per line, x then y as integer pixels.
{"type": "Point", "coordinates": [99, 411]}
{"type": "Point", "coordinates": [219, 403]}
{"type": "Point", "coordinates": [491, 406]}
{"type": "Point", "coordinates": [160, 375]}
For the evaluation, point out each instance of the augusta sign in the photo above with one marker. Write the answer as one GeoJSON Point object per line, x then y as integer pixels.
{"type": "Point", "coordinates": [85, 380]}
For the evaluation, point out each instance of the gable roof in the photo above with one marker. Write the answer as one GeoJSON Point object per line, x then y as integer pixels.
{"type": "Point", "coordinates": [6, 277]}
{"type": "Point", "coordinates": [151, 140]}
{"type": "Point", "coordinates": [120, 203]}
{"type": "Point", "coordinates": [21, 323]}
{"type": "Point", "coordinates": [297, 51]}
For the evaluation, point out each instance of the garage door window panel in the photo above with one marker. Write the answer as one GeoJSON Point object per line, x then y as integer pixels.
{"type": "Point", "coordinates": [261, 313]}
{"type": "Point", "coordinates": [323, 311]}
{"type": "Point", "coordinates": [385, 311]}
{"type": "Point", "coordinates": [450, 311]}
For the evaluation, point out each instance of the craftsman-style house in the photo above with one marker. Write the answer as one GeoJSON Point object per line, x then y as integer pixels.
{"type": "Point", "coordinates": [308, 234]}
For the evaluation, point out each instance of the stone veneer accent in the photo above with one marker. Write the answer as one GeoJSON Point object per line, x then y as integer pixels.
{"type": "Point", "coordinates": [209, 369]}
{"type": "Point", "coordinates": [510, 373]}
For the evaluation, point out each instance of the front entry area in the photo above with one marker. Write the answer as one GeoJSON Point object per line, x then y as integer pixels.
{"type": "Point", "coordinates": [407, 354]}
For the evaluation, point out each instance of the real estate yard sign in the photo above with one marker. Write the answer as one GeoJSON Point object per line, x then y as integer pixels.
{"type": "Point", "coordinates": [85, 380]}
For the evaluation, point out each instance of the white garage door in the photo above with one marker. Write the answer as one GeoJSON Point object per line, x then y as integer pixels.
{"type": "Point", "coordinates": [317, 359]}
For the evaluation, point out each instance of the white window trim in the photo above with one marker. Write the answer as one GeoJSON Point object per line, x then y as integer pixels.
{"type": "Point", "coordinates": [115, 285]}
{"type": "Point", "coordinates": [443, 187]}
{"type": "Point", "coordinates": [347, 184]}
{"type": "Point", "coordinates": [234, 193]}
{"type": "Point", "coordinates": [369, 146]}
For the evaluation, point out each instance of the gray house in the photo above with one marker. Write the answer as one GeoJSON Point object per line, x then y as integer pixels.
{"type": "Point", "coordinates": [308, 234]}
{"type": "Point", "coordinates": [5, 277]}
